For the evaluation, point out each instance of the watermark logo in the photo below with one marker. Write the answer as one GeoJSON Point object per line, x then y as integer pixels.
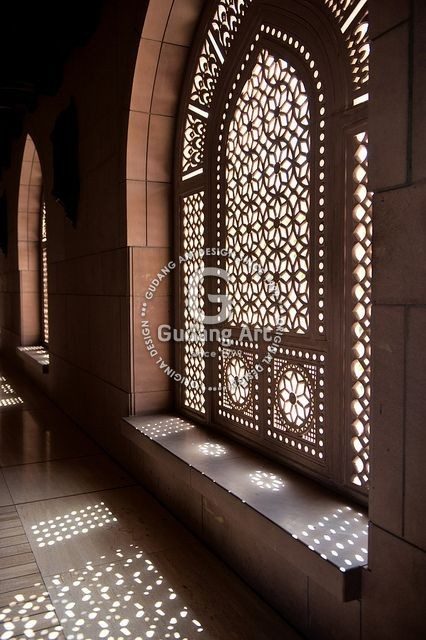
{"type": "Point", "coordinates": [195, 283]}
{"type": "Point", "coordinates": [203, 330]}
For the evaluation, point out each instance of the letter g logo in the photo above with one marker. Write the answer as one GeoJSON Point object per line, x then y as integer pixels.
{"type": "Point", "coordinates": [195, 290]}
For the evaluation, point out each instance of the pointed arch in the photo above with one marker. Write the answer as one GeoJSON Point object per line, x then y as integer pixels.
{"type": "Point", "coordinates": [33, 293]}
{"type": "Point", "coordinates": [165, 42]}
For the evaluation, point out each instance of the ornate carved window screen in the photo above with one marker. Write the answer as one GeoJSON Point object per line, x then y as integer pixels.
{"type": "Point", "coordinates": [273, 169]}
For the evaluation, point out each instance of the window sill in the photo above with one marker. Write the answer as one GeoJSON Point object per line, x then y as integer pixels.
{"type": "Point", "coordinates": [37, 356]}
{"type": "Point", "coordinates": [320, 533]}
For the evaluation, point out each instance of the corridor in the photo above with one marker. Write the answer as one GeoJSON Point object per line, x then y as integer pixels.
{"type": "Point", "coordinates": [87, 553]}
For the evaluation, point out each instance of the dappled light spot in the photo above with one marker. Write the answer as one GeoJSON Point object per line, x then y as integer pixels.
{"type": "Point", "coordinates": [77, 522]}
{"type": "Point", "coordinates": [8, 396]}
{"type": "Point", "coordinates": [340, 536]}
{"type": "Point", "coordinates": [266, 480]}
{"type": "Point", "coordinates": [126, 598]}
{"type": "Point", "coordinates": [27, 610]}
{"type": "Point", "coordinates": [212, 449]}
{"type": "Point", "coordinates": [163, 427]}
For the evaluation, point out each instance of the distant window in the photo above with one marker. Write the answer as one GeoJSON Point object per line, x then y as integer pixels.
{"type": "Point", "coordinates": [44, 301]}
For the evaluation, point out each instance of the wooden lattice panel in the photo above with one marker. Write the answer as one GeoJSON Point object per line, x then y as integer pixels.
{"type": "Point", "coordinates": [263, 193]}
{"type": "Point", "coordinates": [193, 292]}
{"type": "Point", "coordinates": [224, 26]}
{"type": "Point", "coordinates": [361, 314]}
{"type": "Point", "coordinates": [268, 194]}
{"type": "Point", "coordinates": [268, 198]}
{"type": "Point", "coordinates": [238, 385]}
{"type": "Point", "coordinates": [296, 398]}
{"type": "Point", "coordinates": [359, 51]}
{"type": "Point", "coordinates": [193, 147]}
{"type": "Point", "coordinates": [352, 18]}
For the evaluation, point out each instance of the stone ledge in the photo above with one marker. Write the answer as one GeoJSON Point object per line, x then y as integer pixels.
{"type": "Point", "coordinates": [320, 533]}
{"type": "Point", "coordinates": [37, 356]}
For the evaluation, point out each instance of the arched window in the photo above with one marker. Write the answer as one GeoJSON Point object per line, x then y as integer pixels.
{"type": "Point", "coordinates": [274, 232]}
{"type": "Point", "coordinates": [32, 252]}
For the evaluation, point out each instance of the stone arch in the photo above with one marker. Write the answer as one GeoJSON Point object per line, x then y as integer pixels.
{"type": "Point", "coordinates": [161, 61]}
{"type": "Point", "coordinates": [28, 236]}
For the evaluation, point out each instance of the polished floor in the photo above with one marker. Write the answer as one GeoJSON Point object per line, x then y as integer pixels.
{"type": "Point", "coordinates": [86, 553]}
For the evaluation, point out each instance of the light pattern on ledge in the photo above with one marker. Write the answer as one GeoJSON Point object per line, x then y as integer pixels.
{"type": "Point", "coordinates": [340, 537]}
{"type": "Point", "coordinates": [124, 598]}
{"type": "Point", "coordinates": [330, 527]}
{"type": "Point", "coordinates": [212, 450]}
{"type": "Point", "coordinates": [38, 353]}
{"type": "Point", "coordinates": [361, 313]}
{"type": "Point", "coordinates": [266, 481]}
{"type": "Point", "coordinates": [164, 426]}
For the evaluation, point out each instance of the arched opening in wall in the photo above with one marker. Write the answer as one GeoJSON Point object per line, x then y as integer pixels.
{"type": "Point", "coordinates": [165, 41]}
{"type": "Point", "coordinates": [32, 253]}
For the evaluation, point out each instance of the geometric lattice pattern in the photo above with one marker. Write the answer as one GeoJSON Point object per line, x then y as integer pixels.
{"type": "Point", "coordinates": [268, 199]}
{"type": "Point", "coordinates": [352, 17]}
{"type": "Point", "coordinates": [361, 327]}
{"type": "Point", "coordinates": [44, 278]}
{"type": "Point", "coordinates": [295, 398]}
{"type": "Point", "coordinates": [206, 76]}
{"type": "Point", "coordinates": [193, 291]}
{"type": "Point", "coordinates": [224, 25]}
{"type": "Point", "coordinates": [296, 405]}
{"type": "Point", "coordinates": [359, 52]}
{"type": "Point", "coordinates": [252, 267]}
{"type": "Point", "coordinates": [271, 200]}
{"type": "Point", "coordinates": [238, 385]}
{"type": "Point", "coordinates": [193, 148]}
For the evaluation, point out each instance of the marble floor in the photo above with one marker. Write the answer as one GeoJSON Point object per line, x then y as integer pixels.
{"type": "Point", "coordinates": [86, 553]}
